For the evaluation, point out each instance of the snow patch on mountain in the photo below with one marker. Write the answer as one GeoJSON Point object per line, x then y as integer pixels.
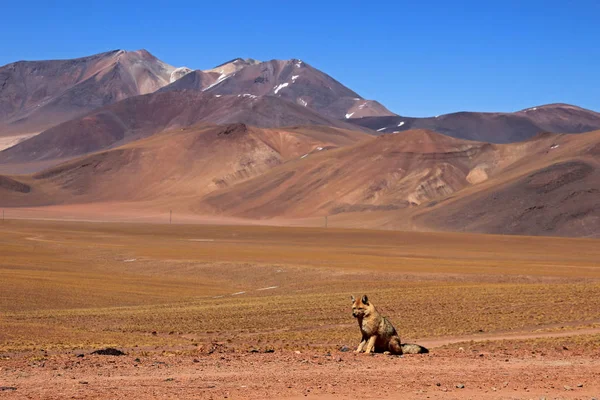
{"type": "Point", "coordinates": [279, 87]}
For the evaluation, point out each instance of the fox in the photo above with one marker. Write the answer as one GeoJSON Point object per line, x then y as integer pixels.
{"type": "Point", "coordinates": [378, 333]}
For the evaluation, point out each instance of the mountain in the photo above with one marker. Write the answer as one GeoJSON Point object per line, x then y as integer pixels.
{"type": "Point", "coordinates": [389, 172]}
{"type": "Point", "coordinates": [282, 141]}
{"type": "Point", "coordinates": [292, 80]}
{"type": "Point", "coordinates": [415, 180]}
{"type": "Point", "coordinates": [177, 166]}
{"type": "Point", "coordinates": [36, 95]}
{"type": "Point", "coordinates": [141, 116]}
{"type": "Point", "coordinates": [494, 127]}
{"type": "Point", "coordinates": [553, 188]}
{"type": "Point", "coordinates": [420, 180]}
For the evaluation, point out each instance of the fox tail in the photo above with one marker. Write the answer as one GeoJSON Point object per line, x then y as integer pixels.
{"type": "Point", "coordinates": [410, 348]}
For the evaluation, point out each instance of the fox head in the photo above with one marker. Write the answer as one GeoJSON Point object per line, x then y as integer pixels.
{"type": "Point", "coordinates": [361, 307]}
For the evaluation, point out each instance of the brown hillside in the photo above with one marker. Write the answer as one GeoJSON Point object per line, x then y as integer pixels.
{"type": "Point", "coordinates": [419, 180]}
{"type": "Point", "coordinates": [415, 180]}
{"type": "Point", "coordinates": [385, 173]}
{"type": "Point", "coordinates": [179, 166]}
{"type": "Point", "coordinates": [553, 190]}
{"type": "Point", "coordinates": [142, 116]}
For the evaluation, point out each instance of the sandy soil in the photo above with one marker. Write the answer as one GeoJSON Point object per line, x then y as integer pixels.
{"type": "Point", "coordinates": [504, 317]}
{"type": "Point", "coordinates": [442, 374]}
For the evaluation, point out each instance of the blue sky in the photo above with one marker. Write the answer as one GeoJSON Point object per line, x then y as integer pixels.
{"type": "Point", "coordinates": [417, 58]}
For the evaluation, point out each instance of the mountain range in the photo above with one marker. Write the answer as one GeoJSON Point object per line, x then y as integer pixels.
{"type": "Point", "coordinates": [282, 141]}
{"type": "Point", "coordinates": [494, 127]}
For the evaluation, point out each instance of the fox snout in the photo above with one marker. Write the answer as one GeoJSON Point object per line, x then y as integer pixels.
{"type": "Point", "coordinates": [359, 307]}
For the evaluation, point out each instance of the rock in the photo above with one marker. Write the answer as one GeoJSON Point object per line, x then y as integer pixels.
{"type": "Point", "coordinates": [297, 352]}
{"type": "Point", "coordinates": [460, 386]}
{"type": "Point", "coordinates": [80, 355]}
{"type": "Point", "coordinates": [269, 351]}
{"type": "Point", "coordinates": [344, 349]}
{"type": "Point", "coordinates": [83, 382]}
{"type": "Point", "coordinates": [109, 351]}
{"type": "Point", "coordinates": [137, 360]}
{"type": "Point", "coordinates": [580, 385]}
{"type": "Point", "coordinates": [438, 384]}
{"type": "Point", "coordinates": [169, 379]}
{"type": "Point", "coordinates": [568, 387]}
{"type": "Point", "coordinates": [7, 388]}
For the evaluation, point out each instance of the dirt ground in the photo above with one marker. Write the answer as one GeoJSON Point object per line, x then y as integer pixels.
{"type": "Point", "coordinates": [442, 374]}
{"type": "Point", "coordinates": [264, 313]}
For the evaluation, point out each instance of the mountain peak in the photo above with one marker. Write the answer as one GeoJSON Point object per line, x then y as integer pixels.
{"type": "Point", "coordinates": [141, 54]}
{"type": "Point", "coordinates": [232, 66]}
{"type": "Point", "coordinates": [239, 60]}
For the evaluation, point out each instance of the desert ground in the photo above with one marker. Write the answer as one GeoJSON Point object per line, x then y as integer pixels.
{"type": "Point", "coordinates": [263, 312]}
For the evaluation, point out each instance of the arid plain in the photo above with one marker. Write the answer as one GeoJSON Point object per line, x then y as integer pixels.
{"type": "Point", "coordinates": [207, 311]}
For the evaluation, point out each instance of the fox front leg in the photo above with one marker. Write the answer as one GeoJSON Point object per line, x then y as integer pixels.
{"type": "Point", "coordinates": [361, 346]}
{"type": "Point", "coordinates": [371, 344]}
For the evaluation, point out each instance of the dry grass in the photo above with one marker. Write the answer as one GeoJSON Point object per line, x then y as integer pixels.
{"type": "Point", "coordinates": [68, 285]}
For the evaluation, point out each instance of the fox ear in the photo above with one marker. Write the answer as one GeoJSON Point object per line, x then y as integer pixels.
{"type": "Point", "coordinates": [365, 299]}
{"type": "Point", "coordinates": [353, 299]}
